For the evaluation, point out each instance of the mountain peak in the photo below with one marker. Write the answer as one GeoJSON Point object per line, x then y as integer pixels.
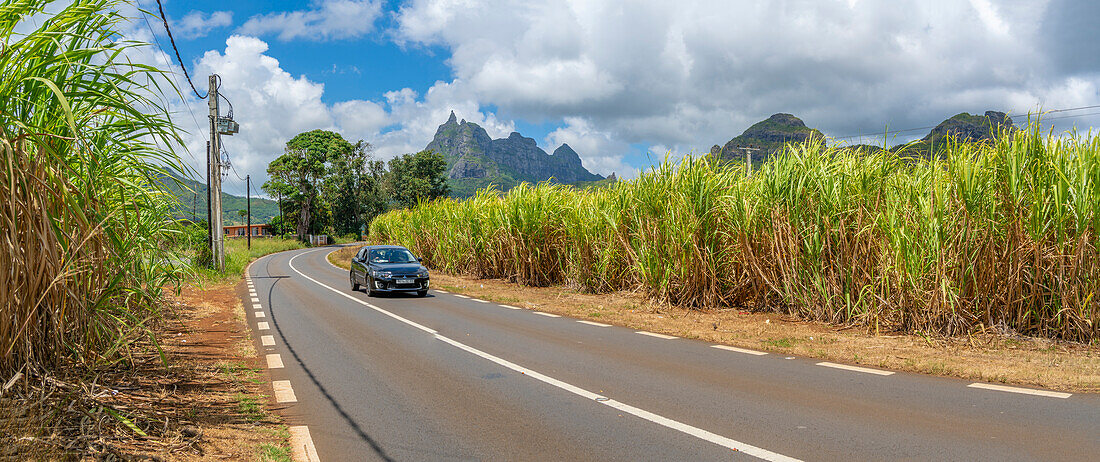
{"type": "Point", "coordinates": [566, 152]}
{"type": "Point", "coordinates": [766, 137]}
{"type": "Point", "coordinates": [475, 160]}
{"type": "Point", "coordinates": [452, 119]}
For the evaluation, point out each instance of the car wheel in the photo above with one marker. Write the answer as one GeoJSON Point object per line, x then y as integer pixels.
{"type": "Point", "coordinates": [354, 283]}
{"type": "Point", "coordinates": [421, 293]}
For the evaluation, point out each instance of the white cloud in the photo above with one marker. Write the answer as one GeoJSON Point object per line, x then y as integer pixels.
{"type": "Point", "coordinates": [599, 152]}
{"type": "Point", "coordinates": [691, 74]}
{"type": "Point", "coordinates": [272, 106]}
{"type": "Point", "coordinates": [198, 24]}
{"type": "Point", "coordinates": [327, 20]}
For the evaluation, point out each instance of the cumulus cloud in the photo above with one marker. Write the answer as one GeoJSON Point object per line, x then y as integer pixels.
{"type": "Point", "coordinates": [198, 24]}
{"type": "Point", "coordinates": [272, 106]}
{"type": "Point", "coordinates": [599, 151]}
{"type": "Point", "coordinates": [326, 20]}
{"type": "Point", "coordinates": [689, 74]}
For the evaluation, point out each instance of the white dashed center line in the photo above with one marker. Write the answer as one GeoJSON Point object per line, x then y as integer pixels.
{"type": "Point", "coordinates": [1026, 391]}
{"type": "Point", "coordinates": [739, 350]}
{"type": "Point", "coordinates": [274, 361]}
{"type": "Point", "coordinates": [549, 315]}
{"type": "Point", "coordinates": [865, 370]}
{"type": "Point", "coordinates": [510, 307]}
{"type": "Point", "coordinates": [262, 326]}
{"type": "Point", "coordinates": [654, 334]}
{"type": "Point", "coordinates": [267, 340]}
{"type": "Point", "coordinates": [260, 314]}
{"type": "Point", "coordinates": [593, 323]}
{"type": "Point", "coordinates": [480, 300]}
{"type": "Point", "coordinates": [461, 296]}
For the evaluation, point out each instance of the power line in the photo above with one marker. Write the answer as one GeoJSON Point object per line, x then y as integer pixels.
{"type": "Point", "coordinates": [895, 132]}
{"type": "Point", "coordinates": [176, 81]}
{"type": "Point", "coordinates": [178, 58]}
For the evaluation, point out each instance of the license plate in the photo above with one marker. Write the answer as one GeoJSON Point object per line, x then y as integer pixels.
{"type": "Point", "coordinates": [406, 281]}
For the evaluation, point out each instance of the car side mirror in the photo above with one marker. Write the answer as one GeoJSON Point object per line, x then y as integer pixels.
{"type": "Point", "coordinates": [418, 259]}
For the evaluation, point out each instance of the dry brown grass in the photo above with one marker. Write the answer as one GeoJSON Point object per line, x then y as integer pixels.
{"type": "Point", "coordinates": [209, 404]}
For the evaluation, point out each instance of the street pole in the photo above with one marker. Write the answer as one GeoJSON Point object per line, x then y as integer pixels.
{"type": "Point", "coordinates": [217, 242]}
{"type": "Point", "coordinates": [248, 196]}
{"type": "Point", "coordinates": [209, 202]}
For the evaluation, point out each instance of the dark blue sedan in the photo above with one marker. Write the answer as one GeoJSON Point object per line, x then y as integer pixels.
{"type": "Point", "coordinates": [388, 268]}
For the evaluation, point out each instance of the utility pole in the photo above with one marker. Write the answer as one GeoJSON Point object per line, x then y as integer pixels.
{"type": "Point", "coordinates": [748, 157]}
{"type": "Point", "coordinates": [248, 196]}
{"type": "Point", "coordinates": [209, 202]}
{"type": "Point", "coordinates": [217, 243]}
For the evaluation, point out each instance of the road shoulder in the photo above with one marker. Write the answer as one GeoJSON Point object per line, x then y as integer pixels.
{"type": "Point", "coordinates": [992, 357]}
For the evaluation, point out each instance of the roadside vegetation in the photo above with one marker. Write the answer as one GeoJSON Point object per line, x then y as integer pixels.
{"type": "Point", "coordinates": [94, 353]}
{"type": "Point", "coordinates": [987, 237]}
{"type": "Point", "coordinates": [326, 185]}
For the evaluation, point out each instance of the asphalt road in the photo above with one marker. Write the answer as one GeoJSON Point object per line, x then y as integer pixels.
{"type": "Point", "coordinates": [452, 378]}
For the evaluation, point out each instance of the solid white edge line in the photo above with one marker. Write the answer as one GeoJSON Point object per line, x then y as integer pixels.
{"type": "Point", "coordinates": [593, 323]}
{"type": "Point", "coordinates": [654, 334]}
{"type": "Point", "coordinates": [284, 393]}
{"type": "Point", "coordinates": [260, 314]}
{"type": "Point", "coordinates": [739, 350]}
{"type": "Point", "coordinates": [637, 412]}
{"type": "Point", "coordinates": [846, 367]}
{"type": "Point", "coordinates": [267, 340]}
{"type": "Point", "coordinates": [274, 361]}
{"type": "Point", "coordinates": [658, 419]}
{"type": "Point", "coordinates": [301, 444]}
{"type": "Point", "coordinates": [549, 315]}
{"type": "Point", "coordinates": [356, 300]}
{"type": "Point", "coordinates": [262, 326]}
{"type": "Point", "coordinates": [1026, 391]}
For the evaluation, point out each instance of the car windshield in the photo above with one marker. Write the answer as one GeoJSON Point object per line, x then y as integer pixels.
{"type": "Point", "coordinates": [391, 256]}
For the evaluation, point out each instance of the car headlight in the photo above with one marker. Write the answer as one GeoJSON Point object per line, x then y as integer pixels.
{"type": "Point", "coordinates": [423, 273]}
{"type": "Point", "coordinates": [382, 274]}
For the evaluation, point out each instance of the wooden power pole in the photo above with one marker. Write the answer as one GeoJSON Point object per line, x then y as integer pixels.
{"type": "Point", "coordinates": [248, 200]}
{"type": "Point", "coordinates": [217, 243]}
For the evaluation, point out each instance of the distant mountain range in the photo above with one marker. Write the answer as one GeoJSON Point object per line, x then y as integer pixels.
{"type": "Point", "coordinates": [769, 136]}
{"type": "Point", "coordinates": [474, 160]}
{"type": "Point", "coordinates": [192, 197]}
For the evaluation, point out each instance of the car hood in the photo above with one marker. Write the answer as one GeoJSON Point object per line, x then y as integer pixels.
{"type": "Point", "coordinates": [402, 268]}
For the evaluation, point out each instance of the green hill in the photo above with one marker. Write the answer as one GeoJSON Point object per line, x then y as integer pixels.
{"type": "Point", "coordinates": [192, 203]}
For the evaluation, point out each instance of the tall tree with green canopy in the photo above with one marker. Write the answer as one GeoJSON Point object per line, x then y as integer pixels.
{"type": "Point", "coordinates": [417, 177]}
{"type": "Point", "coordinates": [302, 167]}
{"type": "Point", "coordinates": [352, 188]}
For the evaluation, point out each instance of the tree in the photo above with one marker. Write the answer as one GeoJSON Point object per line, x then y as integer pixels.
{"type": "Point", "coordinates": [417, 177]}
{"type": "Point", "coordinates": [352, 188]}
{"type": "Point", "coordinates": [299, 170]}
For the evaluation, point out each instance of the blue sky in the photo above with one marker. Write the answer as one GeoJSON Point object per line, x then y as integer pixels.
{"type": "Point", "coordinates": [623, 83]}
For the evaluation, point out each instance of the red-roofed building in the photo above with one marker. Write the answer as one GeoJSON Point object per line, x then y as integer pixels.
{"type": "Point", "coordinates": [241, 230]}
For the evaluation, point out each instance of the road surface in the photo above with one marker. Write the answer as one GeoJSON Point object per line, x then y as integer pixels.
{"type": "Point", "coordinates": [451, 378]}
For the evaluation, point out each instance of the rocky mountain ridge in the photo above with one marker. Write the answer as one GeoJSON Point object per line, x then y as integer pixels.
{"type": "Point", "coordinates": [766, 137]}
{"type": "Point", "coordinates": [475, 160]}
